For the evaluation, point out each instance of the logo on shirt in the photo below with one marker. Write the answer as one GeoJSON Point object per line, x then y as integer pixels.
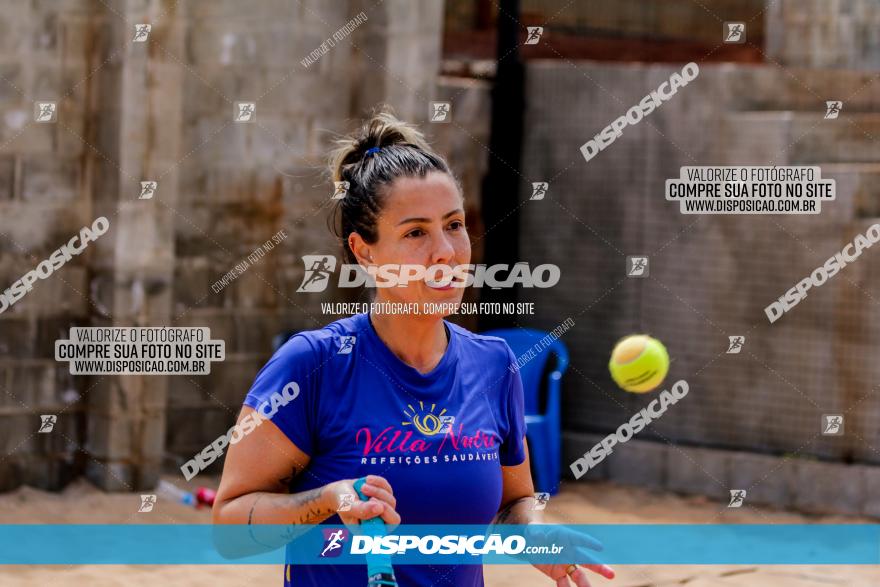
{"type": "Point", "coordinates": [423, 437]}
{"type": "Point", "coordinates": [346, 345]}
{"type": "Point", "coordinates": [428, 423]}
{"type": "Point", "coordinates": [333, 541]}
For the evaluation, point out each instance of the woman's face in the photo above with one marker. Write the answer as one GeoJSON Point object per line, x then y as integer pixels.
{"type": "Point", "coordinates": [422, 223]}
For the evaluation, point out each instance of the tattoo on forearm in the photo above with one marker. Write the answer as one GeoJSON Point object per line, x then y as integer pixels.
{"type": "Point", "coordinates": [314, 511]}
{"type": "Point", "coordinates": [509, 511]}
{"type": "Point", "coordinates": [253, 506]}
{"type": "Point", "coordinates": [504, 514]}
{"type": "Point", "coordinates": [306, 505]}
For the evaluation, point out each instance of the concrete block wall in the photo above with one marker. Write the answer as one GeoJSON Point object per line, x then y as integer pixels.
{"type": "Point", "coordinates": [710, 276]}
{"type": "Point", "coordinates": [162, 110]}
{"type": "Point", "coordinates": [788, 482]}
{"type": "Point", "coordinates": [44, 201]}
{"type": "Point", "coordinates": [820, 34]}
{"type": "Point", "coordinates": [256, 179]}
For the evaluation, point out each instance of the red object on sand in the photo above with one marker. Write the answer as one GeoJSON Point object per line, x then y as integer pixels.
{"type": "Point", "coordinates": [205, 496]}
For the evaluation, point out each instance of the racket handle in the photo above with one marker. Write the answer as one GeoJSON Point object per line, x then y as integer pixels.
{"type": "Point", "coordinates": [379, 570]}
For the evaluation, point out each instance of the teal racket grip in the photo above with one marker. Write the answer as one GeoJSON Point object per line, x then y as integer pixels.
{"type": "Point", "coordinates": [379, 569]}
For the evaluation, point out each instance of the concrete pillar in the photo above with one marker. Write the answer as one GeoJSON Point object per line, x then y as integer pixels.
{"type": "Point", "coordinates": [397, 56]}
{"type": "Point", "coordinates": [138, 129]}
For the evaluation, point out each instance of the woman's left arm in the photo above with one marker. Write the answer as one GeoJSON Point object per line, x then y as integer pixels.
{"type": "Point", "coordinates": [517, 507]}
{"type": "Point", "coordinates": [518, 495]}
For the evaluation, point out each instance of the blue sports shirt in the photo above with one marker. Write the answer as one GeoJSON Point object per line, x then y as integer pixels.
{"type": "Point", "coordinates": [439, 438]}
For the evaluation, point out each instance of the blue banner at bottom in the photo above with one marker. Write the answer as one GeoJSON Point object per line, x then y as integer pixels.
{"type": "Point", "coordinates": [666, 544]}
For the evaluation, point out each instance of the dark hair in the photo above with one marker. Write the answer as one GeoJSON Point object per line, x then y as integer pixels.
{"type": "Point", "coordinates": [383, 150]}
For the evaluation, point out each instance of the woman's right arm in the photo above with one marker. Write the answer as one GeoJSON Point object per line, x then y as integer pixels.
{"type": "Point", "coordinates": [256, 475]}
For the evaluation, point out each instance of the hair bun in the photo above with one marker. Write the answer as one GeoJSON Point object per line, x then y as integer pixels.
{"type": "Point", "coordinates": [382, 130]}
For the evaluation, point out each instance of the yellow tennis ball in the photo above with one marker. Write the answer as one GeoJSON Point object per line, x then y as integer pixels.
{"type": "Point", "coordinates": [639, 363]}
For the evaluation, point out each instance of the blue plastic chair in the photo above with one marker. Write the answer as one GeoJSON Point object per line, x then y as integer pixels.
{"type": "Point", "coordinates": [543, 423]}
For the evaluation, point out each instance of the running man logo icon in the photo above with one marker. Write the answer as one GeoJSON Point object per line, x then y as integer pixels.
{"type": "Point", "coordinates": [47, 423]}
{"type": "Point", "coordinates": [346, 345]}
{"type": "Point", "coordinates": [446, 423]}
{"type": "Point", "coordinates": [735, 32]}
{"type": "Point", "coordinates": [832, 109]}
{"type": "Point", "coordinates": [147, 503]}
{"type": "Point", "coordinates": [333, 541]}
{"type": "Point", "coordinates": [141, 32]}
{"type": "Point", "coordinates": [832, 424]}
{"type": "Point", "coordinates": [148, 188]}
{"type": "Point", "coordinates": [440, 111]}
{"type": "Point", "coordinates": [318, 271]}
{"type": "Point", "coordinates": [541, 500]}
{"type": "Point", "coordinates": [341, 189]}
{"type": "Point", "coordinates": [534, 35]}
{"type": "Point", "coordinates": [346, 500]}
{"type": "Point", "coordinates": [45, 111]}
{"type": "Point", "coordinates": [539, 189]}
{"type": "Point", "coordinates": [636, 266]}
{"type": "Point", "coordinates": [737, 497]}
{"type": "Point", "coordinates": [735, 345]}
{"type": "Point", "coordinates": [245, 111]}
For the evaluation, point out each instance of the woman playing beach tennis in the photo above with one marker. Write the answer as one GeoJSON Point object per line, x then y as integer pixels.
{"type": "Point", "coordinates": [427, 411]}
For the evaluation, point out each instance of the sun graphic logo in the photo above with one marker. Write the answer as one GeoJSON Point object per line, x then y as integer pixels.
{"type": "Point", "coordinates": [428, 423]}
